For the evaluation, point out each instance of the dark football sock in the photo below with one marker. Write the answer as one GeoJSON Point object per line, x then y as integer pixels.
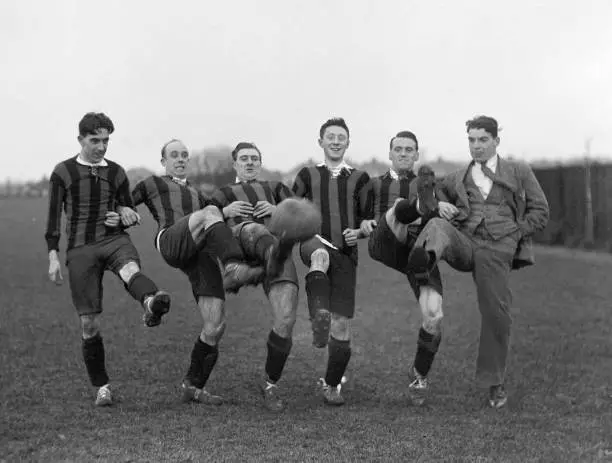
{"type": "Point", "coordinates": [406, 211]}
{"type": "Point", "coordinates": [203, 360]}
{"type": "Point", "coordinates": [140, 286]}
{"type": "Point", "coordinates": [339, 356]}
{"type": "Point", "coordinates": [427, 346]}
{"type": "Point", "coordinates": [278, 351]}
{"type": "Point", "coordinates": [93, 354]}
{"type": "Point", "coordinates": [318, 291]}
{"type": "Point", "coordinates": [220, 241]}
{"type": "Point", "coordinates": [262, 245]}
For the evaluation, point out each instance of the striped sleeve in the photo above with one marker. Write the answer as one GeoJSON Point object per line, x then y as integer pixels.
{"type": "Point", "coordinates": [301, 185]}
{"type": "Point", "coordinates": [123, 196]}
{"type": "Point", "coordinates": [204, 201]}
{"type": "Point", "coordinates": [139, 193]}
{"type": "Point", "coordinates": [368, 200]}
{"type": "Point", "coordinates": [220, 197]}
{"type": "Point", "coordinates": [281, 192]}
{"type": "Point", "coordinates": [57, 196]}
{"type": "Point", "coordinates": [365, 209]}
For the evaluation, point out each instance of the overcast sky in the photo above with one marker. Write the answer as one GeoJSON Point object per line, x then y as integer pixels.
{"type": "Point", "coordinates": [271, 71]}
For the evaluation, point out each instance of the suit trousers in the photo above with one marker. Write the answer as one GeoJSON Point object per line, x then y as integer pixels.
{"type": "Point", "coordinates": [490, 262]}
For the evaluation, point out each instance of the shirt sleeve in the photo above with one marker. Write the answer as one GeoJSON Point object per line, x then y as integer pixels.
{"type": "Point", "coordinates": [365, 197]}
{"type": "Point", "coordinates": [367, 200]}
{"type": "Point", "coordinates": [139, 193]}
{"type": "Point", "coordinates": [124, 197]}
{"type": "Point", "coordinates": [219, 198]}
{"type": "Point", "coordinates": [281, 192]}
{"type": "Point", "coordinates": [301, 187]}
{"type": "Point", "coordinates": [57, 196]}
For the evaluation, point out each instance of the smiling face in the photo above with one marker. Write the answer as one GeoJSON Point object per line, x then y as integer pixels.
{"type": "Point", "coordinates": [403, 154]}
{"type": "Point", "coordinates": [176, 159]}
{"type": "Point", "coordinates": [335, 141]}
{"type": "Point", "coordinates": [247, 164]}
{"type": "Point", "coordinates": [94, 145]}
{"type": "Point", "coordinates": [483, 146]}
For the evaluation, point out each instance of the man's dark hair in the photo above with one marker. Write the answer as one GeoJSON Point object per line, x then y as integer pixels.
{"type": "Point", "coordinates": [405, 134]}
{"type": "Point", "coordinates": [92, 122]}
{"type": "Point", "coordinates": [242, 146]}
{"type": "Point", "coordinates": [488, 124]}
{"type": "Point", "coordinates": [334, 121]}
{"type": "Point", "coordinates": [163, 150]}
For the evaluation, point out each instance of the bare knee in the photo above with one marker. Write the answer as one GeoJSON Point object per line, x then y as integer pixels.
{"type": "Point", "coordinates": [128, 271]}
{"type": "Point", "coordinates": [89, 326]}
{"type": "Point", "coordinates": [203, 219]}
{"type": "Point", "coordinates": [340, 327]}
{"type": "Point", "coordinates": [319, 260]}
{"type": "Point", "coordinates": [283, 298]}
{"type": "Point", "coordinates": [431, 307]}
{"type": "Point", "coordinates": [213, 332]}
{"type": "Point", "coordinates": [253, 230]}
{"type": "Point", "coordinates": [249, 236]}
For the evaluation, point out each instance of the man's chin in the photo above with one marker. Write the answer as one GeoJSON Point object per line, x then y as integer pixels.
{"type": "Point", "coordinates": [335, 155]}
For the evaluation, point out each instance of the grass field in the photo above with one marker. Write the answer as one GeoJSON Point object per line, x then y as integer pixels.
{"type": "Point", "coordinates": [559, 372]}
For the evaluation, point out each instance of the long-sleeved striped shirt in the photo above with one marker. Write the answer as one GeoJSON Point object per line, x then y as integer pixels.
{"type": "Point", "coordinates": [85, 193]}
{"type": "Point", "coordinates": [342, 199]}
{"type": "Point", "coordinates": [251, 192]}
{"type": "Point", "coordinates": [387, 188]}
{"type": "Point", "coordinates": [168, 200]}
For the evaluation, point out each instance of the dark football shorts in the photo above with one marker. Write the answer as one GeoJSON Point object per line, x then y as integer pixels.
{"type": "Point", "coordinates": [179, 250]}
{"type": "Point", "coordinates": [87, 264]}
{"type": "Point", "coordinates": [342, 274]}
{"type": "Point", "coordinates": [288, 274]}
{"type": "Point", "coordinates": [385, 247]}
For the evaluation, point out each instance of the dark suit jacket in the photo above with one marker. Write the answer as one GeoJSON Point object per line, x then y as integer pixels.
{"type": "Point", "coordinates": [522, 192]}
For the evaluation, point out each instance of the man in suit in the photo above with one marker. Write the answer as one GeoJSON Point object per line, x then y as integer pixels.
{"type": "Point", "coordinates": [499, 205]}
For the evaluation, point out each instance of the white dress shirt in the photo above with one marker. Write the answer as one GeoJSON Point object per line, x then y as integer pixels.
{"type": "Point", "coordinates": [483, 182]}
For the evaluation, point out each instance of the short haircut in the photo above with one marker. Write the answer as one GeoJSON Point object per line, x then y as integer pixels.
{"type": "Point", "coordinates": [334, 121]}
{"type": "Point", "coordinates": [163, 150]}
{"type": "Point", "coordinates": [405, 134]}
{"type": "Point", "coordinates": [92, 122]}
{"type": "Point", "coordinates": [243, 145]}
{"type": "Point", "coordinates": [488, 124]}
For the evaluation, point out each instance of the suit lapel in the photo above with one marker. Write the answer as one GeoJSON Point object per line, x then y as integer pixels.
{"type": "Point", "coordinates": [505, 175]}
{"type": "Point", "coordinates": [460, 184]}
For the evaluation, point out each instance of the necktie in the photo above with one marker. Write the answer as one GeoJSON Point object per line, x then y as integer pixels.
{"type": "Point", "coordinates": [485, 170]}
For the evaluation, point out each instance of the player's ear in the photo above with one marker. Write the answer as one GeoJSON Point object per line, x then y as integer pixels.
{"type": "Point", "coordinates": [416, 156]}
{"type": "Point", "coordinates": [80, 139]}
{"type": "Point", "coordinates": [497, 140]}
{"type": "Point", "coordinates": [163, 161]}
{"type": "Point", "coordinates": [321, 142]}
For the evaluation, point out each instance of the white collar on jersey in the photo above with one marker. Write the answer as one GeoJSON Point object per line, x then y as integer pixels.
{"type": "Point", "coordinates": [83, 162]}
{"type": "Point", "coordinates": [180, 181]}
{"type": "Point", "coordinates": [246, 181]}
{"type": "Point", "coordinates": [336, 171]}
{"type": "Point", "coordinates": [394, 175]}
